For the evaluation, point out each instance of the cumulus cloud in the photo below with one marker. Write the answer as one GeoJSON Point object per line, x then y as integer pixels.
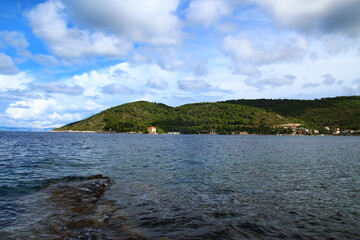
{"type": "Point", "coordinates": [328, 79]}
{"type": "Point", "coordinates": [15, 95]}
{"type": "Point", "coordinates": [325, 16]}
{"type": "Point", "coordinates": [7, 65]}
{"type": "Point", "coordinates": [200, 69]}
{"type": "Point", "coordinates": [18, 81]}
{"type": "Point", "coordinates": [60, 88]}
{"type": "Point", "coordinates": [152, 21]}
{"type": "Point", "coordinates": [207, 12]}
{"type": "Point", "coordinates": [110, 80]}
{"type": "Point", "coordinates": [310, 85]}
{"type": "Point", "coordinates": [189, 84]}
{"type": "Point", "coordinates": [14, 39]}
{"type": "Point", "coordinates": [30, 110]}
{"type": "Point", "coordinates": [198, 85]}
{"type": "Point", "coordinates": [273, 81]}
{"type": "Point", "coordinates": [354, 88]}
{"type": "Point", "coordinates": [50, 112]}
{"type": "Point", "coordinates": [157, 83]}
{"type": "Point", "coordinates": [247, 50]}
{"type": "Point", "coordinates": [49, 21]}
{"type": "Point", "coordinates": [117, 89]}
{"type": "Point", "coordinates": [248, 54]}
{"type": "Point", "coordinates": [41, 112]}
{"type": "Point", "coordinates": [17, 41]}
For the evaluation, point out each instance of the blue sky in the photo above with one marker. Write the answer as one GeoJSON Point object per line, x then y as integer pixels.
{"type": "Point", "coordinates": [64, 60]}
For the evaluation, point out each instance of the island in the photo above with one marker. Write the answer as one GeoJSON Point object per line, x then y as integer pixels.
{"type": "Point", "coordinates": [339, 116]}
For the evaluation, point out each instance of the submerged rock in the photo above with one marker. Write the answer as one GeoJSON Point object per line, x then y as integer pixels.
{"type": "Point", "coordinates": [73, 209]}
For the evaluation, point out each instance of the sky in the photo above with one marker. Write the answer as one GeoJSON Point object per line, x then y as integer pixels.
{"type": "Point", "coordinates": [64, 60]}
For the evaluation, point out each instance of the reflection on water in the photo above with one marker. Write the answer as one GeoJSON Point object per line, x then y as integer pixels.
{"type": "Point", "coordinates": [178, 187]}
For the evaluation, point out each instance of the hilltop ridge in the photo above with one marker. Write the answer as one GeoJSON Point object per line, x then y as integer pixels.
{"type": "Point", "coordinates": [259, 116]}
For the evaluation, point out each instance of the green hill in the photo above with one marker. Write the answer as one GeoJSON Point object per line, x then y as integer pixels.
{"type": "Point", "coordinates": [253, 116]}
{"type": "Point", "coordinates": [342, 112]}
{"type": "Point", "coordinates": [191, 118]}
{"type": "Point", "coordinates": [130, 117]}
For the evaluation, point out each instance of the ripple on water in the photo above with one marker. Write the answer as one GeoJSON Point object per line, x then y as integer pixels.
{"type": "Point", "coordinates": [179, 187]}
{"type": "Point", "coordinates": [69, 209]}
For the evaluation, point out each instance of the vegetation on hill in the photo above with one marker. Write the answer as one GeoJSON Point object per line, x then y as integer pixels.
{"type": "Point", "coordinates": [338, 112]}
{"type": "Point", "coordinates": [203, 118]}
{"type": "Point", "coordinates": [130, 117]}
{"type": "Point", "coordinates": [233, 116]}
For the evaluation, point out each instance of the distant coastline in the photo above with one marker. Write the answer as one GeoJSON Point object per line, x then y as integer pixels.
{"type": "Point", "coordinates": [328, 116]}
{"type": "Point", "coordinates": [239, 134]}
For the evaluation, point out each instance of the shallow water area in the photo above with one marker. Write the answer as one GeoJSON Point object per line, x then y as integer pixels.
{"type": "Point", "coordinates": [178, 187]}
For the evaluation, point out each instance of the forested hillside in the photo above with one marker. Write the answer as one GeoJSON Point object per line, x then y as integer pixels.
{"type": "Point", "coordinates": [233, 116]}
{"type": "Point", "coordinates": [191, 118]}
{"type": "Point", "coordinates": [342, 112]}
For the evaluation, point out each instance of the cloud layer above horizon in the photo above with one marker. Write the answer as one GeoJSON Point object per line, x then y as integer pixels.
{"type": "Point", "coordinates": [64, 60]}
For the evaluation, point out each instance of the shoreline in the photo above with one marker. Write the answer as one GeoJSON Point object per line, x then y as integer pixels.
{"type": "Point", "coordinates": [295, 135]}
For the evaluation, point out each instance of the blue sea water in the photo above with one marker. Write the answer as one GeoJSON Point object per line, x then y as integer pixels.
{"type": "Point", "coordinates": [178, 186]}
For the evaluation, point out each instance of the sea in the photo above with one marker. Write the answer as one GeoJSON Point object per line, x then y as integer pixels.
{"type": "Point", "coordinates": [140, 186]}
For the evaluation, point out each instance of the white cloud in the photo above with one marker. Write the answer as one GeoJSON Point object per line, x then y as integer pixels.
{"type": "Point", "coordinates": [50, 112]}
{"type": "Point", "coordinates": [227, 28]}
{"type": "Point", "coordinates": [49, 22]}
{"type": "Point", "coordinates": [18, 81]}
{"type": "Point", "coordinates": [272, 81]}
{"type": "Point", "coordinates": [33, 109]}
{"type": "Point", "coordinates": [93, 82]}
{"type": "Point", "coordinates": [189, 84]}
{"type": "Point", "coordinates": [265, 52]}
{"type": "Point", "coordinates": [125, 79]}
{"type": "Point", "coordinates": [18, 41]}
{"type": "Point", "coordinates": [15, 95]}
{"type": "Point", "coordinates": [207, 12]}
{"type": "Point", "coordinates": [157, 83]}
{"type": "Point", "coordinates": [326, 16]}
{"type": "Point", "coordinates": [14, 39]}
{"type": "Point", "coordinates": [117, 89]}
{"type": "Point", "coordinates": [310, 85]}
{"type": "Point", "coordinates": [66, 117]}
{"type": "Point", "coordinates": [198, 85]}
{"type": "Point", "coordinates": [147, 21]}
{"type": "Point", "coordinates": [250, 54]}
{"type": "Point", "coordinates": [354, 88]}
{"type": "Point", "coordinates": [44, 59]}
{"type": "Point", "coordinates": [328, 79]}
{"type": "Point", "coordinates": [7, 65]}
{"type": "Point", "coordinates": [60, 88]}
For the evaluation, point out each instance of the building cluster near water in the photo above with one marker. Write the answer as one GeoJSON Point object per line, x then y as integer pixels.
{"type": "Point", "coordinates": [152, 130]}
{"type": "Point", "coordinates": [297, 129]}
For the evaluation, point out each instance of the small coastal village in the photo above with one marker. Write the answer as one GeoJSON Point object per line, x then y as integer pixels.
{"type": "Point", "coordinates": [296, 128]}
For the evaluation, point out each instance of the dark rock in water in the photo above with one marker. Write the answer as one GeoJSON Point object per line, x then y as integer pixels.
{"type": "Point", "coordinates": [83, 214]}
{"type": "Point", "coordinates": [79, 196]}
{"type": "Point", "coordinates": [74, 210]}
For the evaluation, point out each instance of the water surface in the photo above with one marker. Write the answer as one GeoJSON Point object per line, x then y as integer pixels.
{"type": "Point", "coordinates": [178, 187]}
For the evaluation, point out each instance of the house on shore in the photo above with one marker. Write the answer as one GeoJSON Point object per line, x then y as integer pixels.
{"type": "Point", "coordinates": [337, 131]}
{"type": "Point", "coordinates": [151, 130]}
